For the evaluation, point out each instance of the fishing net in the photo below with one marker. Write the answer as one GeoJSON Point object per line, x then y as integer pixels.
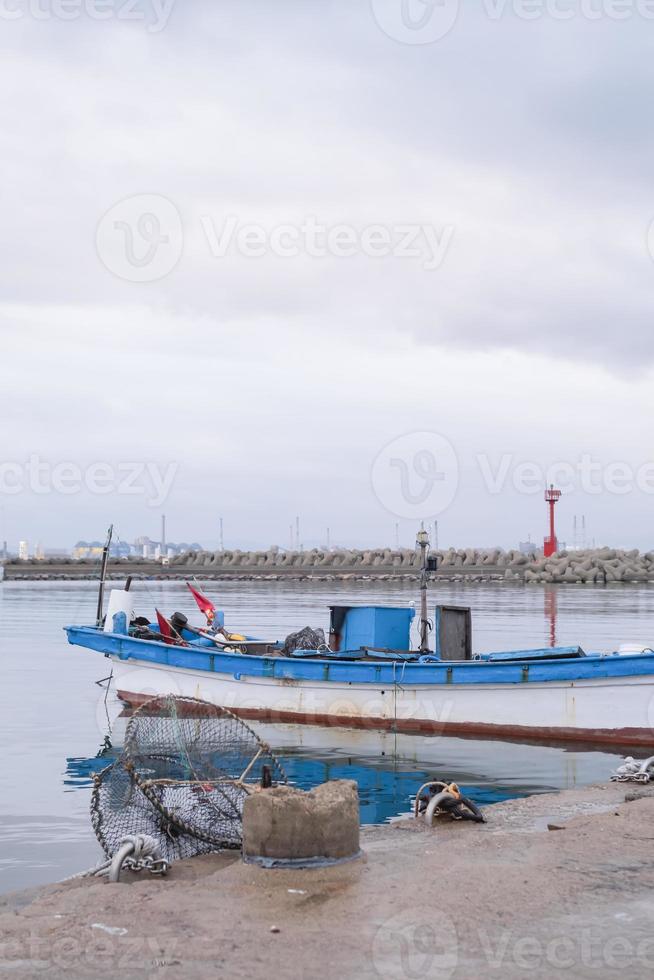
{"type": "Point", "coordinates": [305, 639]}
{"type": "Point", "coordinates": [119, 809]}
{"type": "Point", "coordinates": [186, 770]}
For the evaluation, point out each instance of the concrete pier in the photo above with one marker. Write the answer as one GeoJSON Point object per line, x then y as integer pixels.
{"type": "Point", "coordinates": [507, 899]}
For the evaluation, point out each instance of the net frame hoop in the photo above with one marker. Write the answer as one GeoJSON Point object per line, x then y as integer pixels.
{"type": "Point", "coordinates": [147, 786]}
{"type": "Point", "coordinates": [174, 820]}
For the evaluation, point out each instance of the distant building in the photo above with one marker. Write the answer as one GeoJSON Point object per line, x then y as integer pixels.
{"type": "Point", "coordinates": [23, 551]}
{"type": "Point", "coordinates": [121, 549]}
{"type": "Point", "coordinates": [143, 547]}
{"type": "Point", "coordinates": [157, 550]}
{"type": "Point", "coordinates": [88, 549]}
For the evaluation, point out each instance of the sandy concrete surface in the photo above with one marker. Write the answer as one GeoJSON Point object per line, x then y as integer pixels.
{"type": "Point", "coordinates": [507, 899]}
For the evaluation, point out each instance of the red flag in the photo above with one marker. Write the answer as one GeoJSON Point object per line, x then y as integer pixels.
{"type": "Point", "coordinates": [205, 605]}
{"type": "Point", "coordinates": [167, 632]}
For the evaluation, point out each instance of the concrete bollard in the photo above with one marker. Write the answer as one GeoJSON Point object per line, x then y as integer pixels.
{"type": "Point", "coordinates": [284, 826]}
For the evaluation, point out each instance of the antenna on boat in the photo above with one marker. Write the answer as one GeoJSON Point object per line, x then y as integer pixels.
{"type": "Point", "coordinates": [103, 574]}
{"type": "Point", "coordinates": [422, 540]}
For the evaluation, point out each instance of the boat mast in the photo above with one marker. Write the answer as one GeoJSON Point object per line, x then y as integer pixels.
{"type": "Point", "coordinates": [103, 575]}
{"type": "Point", "coordinates": [422, 540]}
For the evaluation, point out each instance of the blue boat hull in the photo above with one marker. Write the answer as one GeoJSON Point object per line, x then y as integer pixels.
{"type": "Point", "coordinates": [602, 699]}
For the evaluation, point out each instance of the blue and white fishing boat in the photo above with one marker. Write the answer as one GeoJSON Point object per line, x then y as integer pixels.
{"type": "Point", "coordinates": [367, 675]}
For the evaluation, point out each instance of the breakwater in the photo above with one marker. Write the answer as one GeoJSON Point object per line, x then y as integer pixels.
{"type": "Point", "coordinates": [599, 566]}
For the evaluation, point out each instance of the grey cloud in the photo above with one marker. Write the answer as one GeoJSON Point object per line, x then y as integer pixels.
{"type": "Point", "coordinates": [531, 140]}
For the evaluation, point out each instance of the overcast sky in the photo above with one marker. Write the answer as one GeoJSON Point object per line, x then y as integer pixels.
{"type": "Point", "coordinates": [263, 259]}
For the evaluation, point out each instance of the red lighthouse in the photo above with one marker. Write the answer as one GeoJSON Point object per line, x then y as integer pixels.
{"type": "Point", "coordinates": [550, 544]}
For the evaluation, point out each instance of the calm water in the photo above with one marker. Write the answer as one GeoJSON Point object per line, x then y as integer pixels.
{"type": "Point", "coordinates": [54, 719]}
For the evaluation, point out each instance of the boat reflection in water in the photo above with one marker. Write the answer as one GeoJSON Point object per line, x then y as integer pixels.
{"type": "Point", "coordinates": [389, 767]}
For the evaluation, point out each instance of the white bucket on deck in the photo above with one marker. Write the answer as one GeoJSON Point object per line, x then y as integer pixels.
{"type": "Point", "coordinates": [119, 601]}
{"type": "Point", "coordinates": [625, 649]}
